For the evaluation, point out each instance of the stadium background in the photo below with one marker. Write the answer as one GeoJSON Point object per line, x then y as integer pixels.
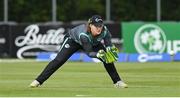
{"type": "Point", "coordinates": [54, 14]}
{"type": "Point", "coordinates": [18, 18]}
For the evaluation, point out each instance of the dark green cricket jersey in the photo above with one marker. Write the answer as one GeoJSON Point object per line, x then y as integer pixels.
{"type": "Point", "coordinates": [81, 31]}
{"type": "Point", "coordinates": [80, 35]}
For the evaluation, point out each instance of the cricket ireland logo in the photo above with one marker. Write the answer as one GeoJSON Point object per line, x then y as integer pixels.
{"type": "Point", "coordinates": [150, 38]}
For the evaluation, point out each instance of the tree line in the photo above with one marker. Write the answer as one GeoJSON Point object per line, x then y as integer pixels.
{"type": "Point", "coordinates": [69, 10]}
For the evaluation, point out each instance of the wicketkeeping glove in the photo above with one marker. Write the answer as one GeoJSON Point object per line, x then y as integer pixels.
{"type": "Point", "coordinates": [113, 53]}
{"type": "Point", "coordinates": [101, 54]}
{"type": "Point", "coordinates": [107, 56]}
{"type": "Point", "coordinates": [104, 56]}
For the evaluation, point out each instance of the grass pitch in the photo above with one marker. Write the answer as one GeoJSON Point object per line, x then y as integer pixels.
{"type": "Point", "coordinates": [75, 79]}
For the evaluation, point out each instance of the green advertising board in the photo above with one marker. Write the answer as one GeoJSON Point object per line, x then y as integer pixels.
{"type": "Point", "coordinates": [153, 37]}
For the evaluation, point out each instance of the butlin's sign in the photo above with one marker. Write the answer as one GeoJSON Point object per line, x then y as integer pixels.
{"type": "Point", "coordinates": [32, 40]}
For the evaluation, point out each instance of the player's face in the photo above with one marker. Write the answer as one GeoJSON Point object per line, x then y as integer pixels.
{"type": "Point", "coordinates": [95, 30]}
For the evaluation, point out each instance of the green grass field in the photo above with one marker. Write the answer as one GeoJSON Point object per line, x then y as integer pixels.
{"type": "Point", "coordinates": [75, 79]}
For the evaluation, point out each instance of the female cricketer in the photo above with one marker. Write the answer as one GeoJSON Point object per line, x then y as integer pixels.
{"type": "Point", "coordinates": [87, 37]}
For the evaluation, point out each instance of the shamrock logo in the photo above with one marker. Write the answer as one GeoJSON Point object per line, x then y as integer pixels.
{"type": "Point", "coordinates": [150, 39]}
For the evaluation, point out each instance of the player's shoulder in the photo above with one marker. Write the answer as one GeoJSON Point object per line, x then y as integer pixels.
{"type": "Point", "coordinates": [105, 27]}
{"type": "Point", "coordinates": [82, 26]}
{"type": "Point", "coordinates": [79, 28]}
